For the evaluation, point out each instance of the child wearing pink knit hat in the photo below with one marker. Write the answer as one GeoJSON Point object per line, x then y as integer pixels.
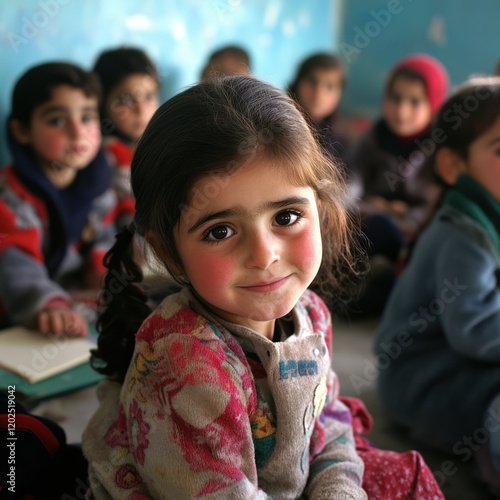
{"type": "Point", "coordinates": [422, 82]}
{"type": "Point", "coordinates": [393, 168]}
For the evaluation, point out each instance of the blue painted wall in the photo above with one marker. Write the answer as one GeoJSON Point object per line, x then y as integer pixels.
{"type": "Point", "coordinates": [464, 35]}
{"type": "Point", "coordinates": [178, 35]}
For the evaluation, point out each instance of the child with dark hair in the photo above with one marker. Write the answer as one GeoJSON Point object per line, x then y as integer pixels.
{"type": "Point", "coordinates": [392, 165]}
{"type": "Point", "coordinates": [129, 82]}
{"type": "Point", "coordinates": [227, 61]}
{"type": "Point", "coordinates": [56, 201]}
{"type": "Point", "coordinates": [226, 390]}
{"type": "Point", "coordinates": [317, 88]}
{"type": "Point", "coordinates": [445, 383]}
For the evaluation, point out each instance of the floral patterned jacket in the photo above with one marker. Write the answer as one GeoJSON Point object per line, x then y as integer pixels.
{"type": "Point", "coordinates": [212, 410]}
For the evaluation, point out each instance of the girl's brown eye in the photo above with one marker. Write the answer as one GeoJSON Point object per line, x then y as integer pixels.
{"type": "Point", "coordinates": [57, 121]}
{"type": "Point", "coordinates": [218, 233]}
{"type": "Point", "coordinates": [126, 100]}
{"type": "Point", "coordinates": [395, 98]}
{"type": "Point", "coordinates": [287, 218]}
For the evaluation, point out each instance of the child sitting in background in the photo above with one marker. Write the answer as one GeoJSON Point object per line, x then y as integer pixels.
{"type": "Point", "coordinates": [226, 389]}
{"type": "Point", "coordinates": [318, 88]}
{"type": "Point", "coordinates": [129, 82]}
{"type": "Point", "coordinates": [393, 169]}
{"type": "Point", "coordinates": [444, 312]}
{"type": "Point", "coordinates": [227, 61]}
{"type": "Point", "coordinates": [56, 204]}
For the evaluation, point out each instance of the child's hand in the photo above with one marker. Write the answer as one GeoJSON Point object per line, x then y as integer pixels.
{"type": "Point", "coordinates": [379, 204]}
{"type": "Point", "coordinates": [62, 320]}
{"type": "Point", "coordinates": [399, 208]}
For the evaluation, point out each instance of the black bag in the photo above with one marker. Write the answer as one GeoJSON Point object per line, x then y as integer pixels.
{"type": "Point", "coordinates": [37, 462]}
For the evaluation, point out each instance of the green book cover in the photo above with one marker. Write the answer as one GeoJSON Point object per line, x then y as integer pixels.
{"type": "Point", "coordinates": [75, 378]}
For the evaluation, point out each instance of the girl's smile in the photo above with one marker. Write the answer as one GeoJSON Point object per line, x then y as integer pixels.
{"type": "Point", "coordinates": [269, 286]}
{"type": "Point", "coordinates": [254, 247]}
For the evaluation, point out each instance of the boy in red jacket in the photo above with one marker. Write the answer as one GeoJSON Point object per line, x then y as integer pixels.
{"type": "Point", "coordinates": [56, 204]}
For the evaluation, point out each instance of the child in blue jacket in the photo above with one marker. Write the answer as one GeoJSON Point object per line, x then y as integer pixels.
{"type": "Point", "coordinates": [438, 345]}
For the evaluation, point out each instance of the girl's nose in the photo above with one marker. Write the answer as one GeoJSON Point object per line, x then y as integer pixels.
{"type": "Point", "coordinates": [145, 108]}
{"type": "Point", "coordinates": [75, 128]}
{"type": "Point", "coordinates": [404, 108]}
{"type": "Point", "coordinates": [262, 250]}
{"type": "Point", "coordinates": [139, 106]}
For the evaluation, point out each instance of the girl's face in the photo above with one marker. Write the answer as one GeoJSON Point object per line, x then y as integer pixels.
{"type": "Point", "coordinates": [64, 132]}
{"type": "Point", "coordinates": [407, 109]}
{"type": "Point", "coordinates": [132, 103]}
{"type": "Point", "coordinates": [254, 246]}
{"type": "Point", "coordinates": [483, 161]}
{"type": "Point", "coordinates": [319, 92]}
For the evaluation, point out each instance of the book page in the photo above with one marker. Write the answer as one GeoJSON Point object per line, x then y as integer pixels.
{"type": "Point", "coordinates": [34, 356]}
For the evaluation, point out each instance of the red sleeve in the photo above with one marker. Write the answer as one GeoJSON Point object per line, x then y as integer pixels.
{"type": "Point", "coordinates": [121, 153]}
{"type": "Point", "coordinates": [127, 206]}
{"type": "Point", "coordinates": [17, 229]}
{"type": "Point", "coordinates": [57, 302]}
{"type": "Point", "coordinates": [94, 268]}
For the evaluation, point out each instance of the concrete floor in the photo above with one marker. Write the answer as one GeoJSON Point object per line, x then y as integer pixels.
{"type": "Point", "coordinates": [352, 355]}
{"type": "Point", "coordinates": [352, 359]}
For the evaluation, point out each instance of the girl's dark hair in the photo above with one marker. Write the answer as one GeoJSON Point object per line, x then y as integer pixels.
{"type": "Point", "coordinates": [207, 131]}
{"type": "Point", "coordinates": [214, 66]}
{"type": "Point", "coordinates": [124, 309]}
{"type": "Point", "coordinates": [408, 74]}
{"type": "Point", "coordinates": [230, 51]}
{"type": "Point", "coordinates": [36, 85]}
{"type": "Point", "coordinates": [468, 113]}
{"type": "Point", "coordinates": [114, 65]}
{"type": "Point", "coordinates": [316, 61]}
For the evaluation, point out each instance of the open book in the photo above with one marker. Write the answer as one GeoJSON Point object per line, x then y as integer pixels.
{"type": "Point", "coordinates": [34, 356]}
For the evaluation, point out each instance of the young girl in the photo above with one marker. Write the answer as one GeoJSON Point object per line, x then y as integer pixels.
{"type": "Point", "coordinates": [445, 382]}
{"type": "Point", "coordinates": [226, 389]}
{"type": "Point", "coordinates": [392, 160]}
{"type": "Point", "coordinates": [129, 81]}
{"type": "Point", "coordinates": [393, 169]}
{"type": "Point", "coordinates": [56, 201]}
{"type": "Point", "coordinates": [318, 88]}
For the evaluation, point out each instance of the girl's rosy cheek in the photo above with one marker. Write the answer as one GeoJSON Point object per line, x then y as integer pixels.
{"type": "Point", "coordinates": [212, 271]}
{"type": "Point", "coordinates": [307, 247]}
{"type": "Point", "coordinates": [51, 142]}
{"type": "Point", "coordinates": [94, 139]}
{"type": "Point", "coordinates": [122, 114]}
